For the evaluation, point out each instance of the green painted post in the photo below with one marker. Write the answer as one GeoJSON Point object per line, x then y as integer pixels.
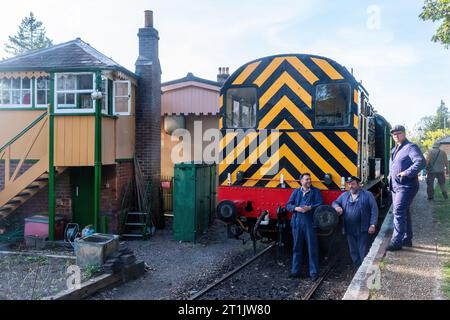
{"type": "Point", "coordinates": [98, 152]}
{"type": "Point", "coordinates": [51, 167]}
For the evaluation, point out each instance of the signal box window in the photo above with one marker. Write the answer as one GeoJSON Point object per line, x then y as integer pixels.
{"type": "Point", "coordinates": [332, 105]}
{"type": "Point", "coordinates": [241, 108]}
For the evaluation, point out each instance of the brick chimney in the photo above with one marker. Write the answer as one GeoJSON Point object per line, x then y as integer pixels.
{"type": "Point", "coordinates": [148, 109]}
{"type": "Point", "coordinates": [223, 75]}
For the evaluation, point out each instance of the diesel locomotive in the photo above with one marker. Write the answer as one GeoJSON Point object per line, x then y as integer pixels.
{"type": "Point", "coordinates": [284, 115]}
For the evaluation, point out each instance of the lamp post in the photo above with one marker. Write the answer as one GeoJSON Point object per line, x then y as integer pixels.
{"type": "Point", "coordinates": [97, 97]}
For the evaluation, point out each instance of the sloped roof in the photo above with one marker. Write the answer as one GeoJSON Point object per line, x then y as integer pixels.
{"type": "Point", "coordinates": [445, 140]}
{"type": "Point", "coordinates": [75, 54]}
{"type": "Point", "coordinates": [190, 77]}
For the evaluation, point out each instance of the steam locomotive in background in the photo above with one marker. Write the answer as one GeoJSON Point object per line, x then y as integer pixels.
{"type": "Point", "coordinates": [321, 121]}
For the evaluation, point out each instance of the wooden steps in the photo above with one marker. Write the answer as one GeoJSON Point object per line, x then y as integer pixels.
{"type": "Point", "coordinates": [25, 194]}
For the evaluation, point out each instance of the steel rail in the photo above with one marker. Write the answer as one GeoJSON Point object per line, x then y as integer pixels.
{"type": "Point", "coordinates": [319, 280]}
{"type": "Point", "coordinates": [229, 274]}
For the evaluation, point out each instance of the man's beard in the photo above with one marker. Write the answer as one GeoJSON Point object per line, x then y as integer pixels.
{"type": "Point", "coordinates": [354, 191]}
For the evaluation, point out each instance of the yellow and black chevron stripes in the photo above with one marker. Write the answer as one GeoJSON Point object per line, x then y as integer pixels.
{"type": "Point", "coordinates": [283, 152]}
{"type": "Point", "coordinates": [251, 160]}
{"type": "Point", "coordinates": [286, 104]}
{"type": "Point", "coordinates": [286, 92]}
{"type": "Point", "coordinates": [303, 70]}
{"type": "Point", "coordinates": [298, 152]}
{"type": "Point", "coordinates": [348, 140]}
{"type": "Point", "coordinates": [335, 152]}
{"type": "Point", "coordinates": [244, 74]}
{"type": "Point", "coordinates": [241, 146]}
{"type": "Point", "coordinates": [268, 71]}
{"type": "Point", "coordinates": [328, 69]}
{"type": "Point", "coordinates": [286, 79]}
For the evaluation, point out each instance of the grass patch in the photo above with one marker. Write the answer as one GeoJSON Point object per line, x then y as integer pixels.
{"type": "Point", "coordinates": [383, 264]}
{"type": "Point", "coordinates": [446, 280]}
{"type": "Point", "coordinates": [92, 270]}
{"type": "Point", "coordinates": [441, 214]}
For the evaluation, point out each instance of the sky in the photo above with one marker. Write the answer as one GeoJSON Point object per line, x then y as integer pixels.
{"type": "Point", "coordinates": [386, 44]}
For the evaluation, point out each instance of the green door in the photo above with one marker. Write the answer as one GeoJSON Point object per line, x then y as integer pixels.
{"type": "Point", "coordinates": [82, 186]}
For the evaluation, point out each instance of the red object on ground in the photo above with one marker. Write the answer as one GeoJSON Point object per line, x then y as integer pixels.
{"type": "Point", "coordinates": [265, 199]}
{"type": "Point", "coordinates": [38, 226]}
{"type": "Point", "coordinates": [165, 184]}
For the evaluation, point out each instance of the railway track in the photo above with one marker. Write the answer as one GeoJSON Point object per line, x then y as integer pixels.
{"type": "Point", "coordinates": [231, 273]}
{"type": "Point", "coordinates": [311, 291]}
{"type": "Point", "coordinates": [311, 288]}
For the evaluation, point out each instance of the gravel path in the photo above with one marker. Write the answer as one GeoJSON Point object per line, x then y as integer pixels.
{"type": "Point", "coordinates": [175, 266]}
{"type": "Point", "coordinates": [414, 273]}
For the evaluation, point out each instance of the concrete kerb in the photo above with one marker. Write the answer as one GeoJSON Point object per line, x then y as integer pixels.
{"type": "Point", "coordinates": [368, 275]}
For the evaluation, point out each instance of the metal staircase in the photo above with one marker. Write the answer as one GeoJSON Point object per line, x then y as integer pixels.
{"type": "Point", "coordinates": [24, 182]}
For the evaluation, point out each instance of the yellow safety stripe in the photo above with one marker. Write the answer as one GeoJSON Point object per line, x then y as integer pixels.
{"type": "Point", "coordinates": [246, 73]}
{"type": "Point", "coordinates": [327, 68]}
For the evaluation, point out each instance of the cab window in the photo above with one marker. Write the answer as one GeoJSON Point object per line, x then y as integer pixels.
{"type": "Point", "coordinates": [332, 105]}
{"type": "Point", "coordinates": [241, 108]}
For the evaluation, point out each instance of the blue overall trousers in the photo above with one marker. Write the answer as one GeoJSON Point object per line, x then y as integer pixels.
{"type": "Point", "coordinates": [303, 229]}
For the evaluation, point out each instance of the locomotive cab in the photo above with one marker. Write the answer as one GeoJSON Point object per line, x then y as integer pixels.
{"type": "Point", "coordinates": [285, 115]}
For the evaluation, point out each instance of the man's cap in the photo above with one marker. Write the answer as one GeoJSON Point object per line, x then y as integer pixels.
{"type": "Point", "coordinates": [353, 178]}
{"type": "Point", "coordinates": [398, 127]}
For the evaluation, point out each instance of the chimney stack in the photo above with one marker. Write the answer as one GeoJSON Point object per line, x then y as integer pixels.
{"type": "Point", "coordinates": [148, 110]}
{"type": "Point", "coordinates": [223, 75]}
{"type": "Point", "coordinates": [148, 19]}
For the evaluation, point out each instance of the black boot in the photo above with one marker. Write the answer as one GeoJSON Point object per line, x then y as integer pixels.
{"type": "Point", "coordinates": [445, 195]}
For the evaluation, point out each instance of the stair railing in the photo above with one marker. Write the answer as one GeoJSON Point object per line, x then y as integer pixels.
{"type": "Point", "coordinates": [6, 150]}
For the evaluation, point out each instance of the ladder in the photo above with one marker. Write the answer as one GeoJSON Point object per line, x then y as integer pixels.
{"type": "Point", "coordinates": [136, 225]}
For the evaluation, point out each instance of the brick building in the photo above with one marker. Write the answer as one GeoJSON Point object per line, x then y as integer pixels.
{"type": "Point", "coordinates": [72, 121]}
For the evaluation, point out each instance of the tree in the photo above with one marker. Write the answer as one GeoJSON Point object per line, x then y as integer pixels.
{"type": "Point", "coordinates": [438, 10]}
{"type": "Point", "coordinates": [431, 137]}
{"type": "Point", "coordinates": [440, 121]}
{"type": "Point", "coordinates": [430, 128]}
{"type": "Point", "coordinates": [31, 36]}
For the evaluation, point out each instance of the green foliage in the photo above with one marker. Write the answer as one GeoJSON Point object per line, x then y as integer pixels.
{"type": "Point", "coordinates": [431, 128]}
{"type": "Point", "coordinates": [446, 276]}
{"type": "Point", "coordinates": [431, 137]}
{"type": "Point", "coordinates": [30, 36]}
{"type": "Point", "coordinates": [91, 270]}
{"type": "Point", "coordinates": [441, 209]}
{"type": "Point", "coordinates": [438, 10]}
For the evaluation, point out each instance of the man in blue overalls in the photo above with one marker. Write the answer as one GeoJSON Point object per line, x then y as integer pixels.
{"type": "Point", "coordinates": [302, 204]}
{"type": "Point", "coordinates": [406, 162]}
{"type": "Point", "coordinates": [360, 212]}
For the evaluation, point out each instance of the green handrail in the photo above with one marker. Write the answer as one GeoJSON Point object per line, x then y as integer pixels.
{"type": "Point", "coordinates": [21, 133]}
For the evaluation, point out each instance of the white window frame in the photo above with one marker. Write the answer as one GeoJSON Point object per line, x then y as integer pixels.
{"type": "Point", "coordinates": [129, 98]}
{"type": "Point", "coordinates": [75, 92]}
{"type": "Point", "coordinates": [36, 90]}
{"type": "Point", "coordinates": [14, 105]}
{"type": "Point", "coordinates": [106, 79]}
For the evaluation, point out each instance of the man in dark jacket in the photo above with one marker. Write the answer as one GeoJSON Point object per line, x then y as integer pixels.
{"type": "Point", "coordinates": [437, 165]}
{"type": "Point", "coordinates": [406, 162]}
{"type": "Point", "coordinates": [360, 212]}
{"type": "Point", "coordinates": [302, 204]}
